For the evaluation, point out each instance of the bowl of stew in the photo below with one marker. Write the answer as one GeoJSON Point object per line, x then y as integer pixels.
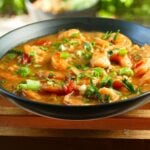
{"type": "Point", "coordinates": [81, 68]}
{"type": "Point", "coordinates": [41, 10]}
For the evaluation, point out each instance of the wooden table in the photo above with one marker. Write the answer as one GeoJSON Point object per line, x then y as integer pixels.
{"type": "Point", "coordinates": [15, 122]}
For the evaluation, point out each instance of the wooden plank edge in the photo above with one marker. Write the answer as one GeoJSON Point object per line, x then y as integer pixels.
{"type": "Point", "coordinates": [105, 134]}
{"type": "Point", "coordinates": [16, 111]}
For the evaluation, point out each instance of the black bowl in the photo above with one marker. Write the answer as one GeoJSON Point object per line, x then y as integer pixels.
{"type": "Point", "coordinates": [137, 33]}
{"type": "Point", "coordinates": [38, 14]}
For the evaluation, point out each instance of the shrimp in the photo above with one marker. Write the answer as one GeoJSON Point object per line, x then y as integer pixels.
{"type": "Point", "coordinates": [145, 51]}
{"type": "Point", "coordinates": [145, 78]}
{"type": "Point", "coordinates": [123, 61]}
{"type": "Point", "coordinates": [142, 66]}
{"type": "Point", "coordinates": [100, 59]}
{"type": "Point", "coordinates": [71, 33]}
{"type": "Point", "coordinates": [40, 55]}
{"type": "Point", "coordinates": [112, 93]}
{"type": "Point", "coordinates": [69, 99]}
{"type": "Point", "coordinates": [59, 63]}
{"type": "Point", "coordinates": [54, 88]}
{"type": "Point", "coordinates": [51, 74]}
{"type": "Point", "coordinates": [31, 95]}
{"type": "Point", "coordinates": [8, 76]}
{"type": "Point", "coordinates": [121, 40]}
{"type": "Point", "coordinates": [103, 43]}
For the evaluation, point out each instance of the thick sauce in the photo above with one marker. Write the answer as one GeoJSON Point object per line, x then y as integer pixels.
{"type": "Point", "coordinates": [74, 67]}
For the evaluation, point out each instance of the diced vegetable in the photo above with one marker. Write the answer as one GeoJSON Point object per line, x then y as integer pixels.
{"type": "Point", "coordinates": [129, 86]}
{"type": "Point", "coordinates": [117, 84]}
{"type": "Point", "coordinates": [106, 98]}
{"type": "Point", "coordinates": [73, 42]}
{"type": "Point", "coordinates": [75, 35]}
{"type": "Point", "coordinates": [106, 81]}
{"type": "Point", "coordinates": [26, 59]}
{"type": "Point", "coordinates": [92, 92]}
{"type": "Point", "coordinates": [69, 87]}
{"type": "Point", "coordinates": [43, 48]}
{"type": "Point", "coordinates": [32, 53]}
{"type": "Point", "coordinates": [82, 88]}
{"type": "Point", "coordinates": [113, 74]}
{"type": "Point", "coordinates": [97, 72]}
{"type": "Point", "coordinates": [30, 85]}
{"type": "Point", "coordinates": [122, 51]}
{"type": "Point", "coordinates": [88, 46]}
{"type": "Point", "coordinates": [82, 67]}
{"type": "Point", "coordinates": [87, 55]}
{"type": "Point", "coordinates": [62, 47]}
{"type": "Point", "coordinates": [65, 40]}
{"type": "Point", "coordinates": [56, 45]}
{"type": "Point", "coordinates": [80, 76]}
{"type": "Point", "coordinates": [110, 52]}
{"type": "Point", "coordinates": [126, 71]}
{"type": "Point", "coordinates": [24, 71]}
{"type": "Point", "coordinates": [65, 55]}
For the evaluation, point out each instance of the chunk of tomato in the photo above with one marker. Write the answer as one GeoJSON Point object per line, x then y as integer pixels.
{"type": "Point", "coordinates": [69, 87]}
{"type": "Point", "coordinates": [117, 84]}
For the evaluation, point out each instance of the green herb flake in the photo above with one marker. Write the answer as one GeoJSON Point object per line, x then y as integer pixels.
{"type": "Point", "coordinates": [97, 72]}
{"type": "Point", "coordinates": [126, 71]}
{"type": "Point", "coordinates": [106, 98]}
{"type": "Point", "coordinates": [32, 53]}
{"type": "Point", "coordinates": [75, 35]}
{"type": "Point", "coordinates": [51, 74]}
{"type": "Point", "coordinates": [122, 51]}
{"type": "Point", "coordinates": [82, 67]}
{"type": "Point", "coordinates": [92, 92]}
{"type": "Point", "coordinates": [80, 76]}
{"type": "Point", "coordinates": [56, 45]}
{"type": "Point", "coordinates": [73, 42]}
{"type": "Point", "coordinates": [65, 40]}
{"type": "Point", "coordinates": [33, 85]}
{"type": "Point", "coordinates": [106, 81]}
{"type": "Point", "coordinates": [88, 46]}
{"type": "Point", "coordinates": [116, 35]}
{"type": "Point", "coordinates": [129, 86]}
{"type": "Point", "coordinates": [106, 35]}
{"type": "Point", "coordinates": [43, 48]}
{"type": "Point", "coordinates": [87, 55]}
{"type": "Point", "coordinates": [110, 52]}
{"type": "Point", "coordinates": [65, 55]}
{"type": "Point", "coordinates": [24, 71]}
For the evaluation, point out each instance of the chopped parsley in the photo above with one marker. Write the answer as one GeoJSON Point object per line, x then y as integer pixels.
{"type": "Point", "coordinates": [106, 35]}
{"type": "Point", "coordinates": [116, 35]}
{"type": "Point", "coordinates": [92, 92]}
{"type": "Point", "coordinates": [106, 81]}
{"type": "Point", "coordinates": [88, 46]}
{"type": "Point", "coordinates": [97, 72]}
{"type": "Point", "coordinates": [23, 71]}
{"type": "Point", "coordinates": [65, 55]}
{"type": "Point", "coordinates": [129, 86]}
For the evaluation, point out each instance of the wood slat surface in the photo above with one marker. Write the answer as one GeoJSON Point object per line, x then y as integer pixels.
{"type": "Point", "coordinates": [17, 122]}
